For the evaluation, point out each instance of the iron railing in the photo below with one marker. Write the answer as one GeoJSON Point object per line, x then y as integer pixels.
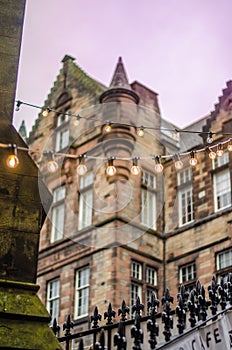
{"type": "Point", "coordinates": [156, 329]}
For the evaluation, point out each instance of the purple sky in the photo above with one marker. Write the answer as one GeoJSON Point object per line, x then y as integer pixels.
{"type": "Point", "coordinates": [179, 48]}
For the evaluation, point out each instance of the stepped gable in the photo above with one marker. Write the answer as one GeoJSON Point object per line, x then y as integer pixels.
{"type": "Point", "coordinates": [71, 69]}
{"type": "Point", "coordinates": [224, 102]}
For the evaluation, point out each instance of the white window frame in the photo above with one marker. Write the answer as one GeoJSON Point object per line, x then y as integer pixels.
{"type": "Point", "coordinates": [220, 161]}
{"type": "Point", "coordinates": [190, 273]}
{"type": "Point", "coordinates": [136, 270]}
{"type": "Point", "coordinates": [222, 196]}
{"type": "Point", "coordinates": [148, 200]}
{"type": "Point", "coordinates": [226, 256]}
{"type": "Point", "coordinates": [185, 205]}
{"type": "Point", "coordinates": [53, 298]}
{"type": "Point", "coordinates": [85, 201]}
{"type": "Point", "coordinates": [58, 214]}
{"type": "Point", "coordinates": [62, 139]}
{"type": "Point", "coordinates": [151, 276]}
{"type": "Point", "coordinates": [135, 292]}
{"type": "Point", "coordinates": [185, 197]}
{"type": "Point", "coordinates": [82, 292]}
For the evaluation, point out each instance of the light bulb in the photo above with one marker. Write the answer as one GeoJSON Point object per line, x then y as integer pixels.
{"type": "Point", "coordinates": [158, 166]}
{"type": "Point", "coordinates": [210, 137]}
{"type": "Point", "coordinates": [108, 127]}
{"type": "Point", "coordinates": [82, 168]}
{"type": "Point", "coordinates": [52, 166]}
{"type": "Point", "coordinates": [212, 155]}
{"type": "Point", "coordinates": [12, 161]}
{"type": "Point", "coordinates": [111, 170]}
{"type": "Point", "coordinates": [135, 169]}
{"type": "Point", "coordinates": [229, 147]}
{"type": "Point", "coordinates": [220, 150]}
{"type": "Point", "coordinates": [45, 112]}
{"type": "Point", "coordinates": [178, 163]}
{"type": "Point", "coordinates": [193, 159]}
{"type": "Point", "coordinates": [76, 121]}
{"type": "Point", "coordinates": [140, 131]}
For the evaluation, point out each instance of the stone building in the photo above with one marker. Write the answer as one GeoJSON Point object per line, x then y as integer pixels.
{"type": "Point", "coordinates": [115, 232]}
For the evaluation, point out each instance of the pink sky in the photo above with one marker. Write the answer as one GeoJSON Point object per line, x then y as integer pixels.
{"type": "Point", "coordinates": [179, 48]}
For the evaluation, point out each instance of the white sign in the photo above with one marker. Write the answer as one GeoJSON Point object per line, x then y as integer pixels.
{"type": "Point", "coordinates": [214, 336]}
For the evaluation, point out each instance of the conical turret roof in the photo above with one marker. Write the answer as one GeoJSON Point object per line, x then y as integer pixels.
{"type": "Point", "coordinates": [120, 77]}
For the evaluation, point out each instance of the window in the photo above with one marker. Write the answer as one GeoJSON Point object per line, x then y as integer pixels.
{"type": "Point", "coordinates": [63, 118]}
{"type": "Point", "coordinates": [187, 273]}
{"type": "Point", "coordinates": [85, 201]}
{"type": "Point", "coordinates": [221, 182]}
{"type": "Point", "coordinates": [148, 200]}
{"type": "Point", "coordinates": [142, 276]}
{"type": "Point", "coordinates": [82, 293]}
{"type": "Point", "coordinates": [185, 196]}
{"type": "Point", "coordinates": [151, 276]}
{"type": "Point", "coordinates": [58, 212]}
{"type": "Point", "coordinates": [53, 297]}
{"type": "Point", "coordinates": [224, 259]}
{"type": "Point", "coordinates": [136, 270]}
{"type": "Point", "coordinates": [222, 189]}
{"type": "Point", "coordinates": [62, 139]}
{"type": "Point", "coordinates": [220, 161]}
{"type": "Point", "coordinates": [136, 291]}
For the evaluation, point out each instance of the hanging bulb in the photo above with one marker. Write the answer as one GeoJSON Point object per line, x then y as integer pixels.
{"type": "Point", "coordinates": [45, 112]}
{"type": "Point", "coordinates": [158, 166]}
{"type": "Point", "coordinates": [76, 120]}
{"type": "Point", "coordinates": [220, 150]}
{"type": "Point", "coordinates": [193, 159]}
{"type": "Point", "coordinates": [212, 155]}
{"type": "Point", "coordinates": [229, 146]}
{"type": "Point", "coordinates": [111, 170]}
{"type": "Point", "coordinates": [82, 168]}
{"type": "Point", "coordinates": [12, 160]}
{"type": "Point", "coordinates": [108, 127]}
{"type": "Point", "coordinates": [18, 104]}
{"type": "Point", "coordinates": [178, 163]}
{"type": "Point", "coordinates": [210, 137]}
{"type": "Point", "coordinates": [52, 165]}
{"type": "Point", "coordinates": [140, 131]}
{"type": "Point", "coordinates": [135, 169]}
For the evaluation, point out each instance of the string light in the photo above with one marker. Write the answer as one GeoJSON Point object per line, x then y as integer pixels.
{"type": "Point", "coordinates": [220, 150]}
{"type": "Point", "coordinates": [210, 137]}
{"type": "Point", "coordinates": [140, 131]}
{"type": "Point", "coordinates": [52, 165]}
{"type": "Point", "coordinates": [229, 146]}
{"type": "Point", "coordinates": [174, 130]}
{"type": "Point", "coordinates": [212, 155]}
{"type": "Point", "coordinates": [82, 168]}
{"type": "Point", "coordinates": [193, 159]}
{"type": "Point", "coordinates": [12, 160]}
{"type": "Point", "coordinates": [108, 127]}
{"type": "Point", "coordinates": [135, 169]}
{"type": "Point", "coordinates": [158, 166]}
{"type": "Point", "coordinates": [111, 170]}
{"type": "Point", "coordinates": [177, 162]}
